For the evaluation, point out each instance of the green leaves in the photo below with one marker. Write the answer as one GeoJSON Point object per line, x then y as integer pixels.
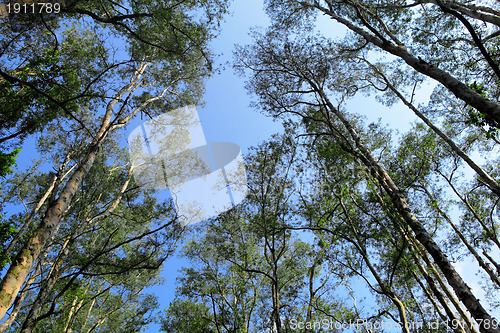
{"type": "Point", "coordinates": [482, 121]}
{"type": "Point", "coordinates": [187, 316]}
{"type": "Point", "coordinates": [7, 231]}
{"type": "Point", "coordinates": [479, 119]}
{"type": "Point", "coordinates": [7, 161]}
{"type": "Point", "coordinates": [77, 80]}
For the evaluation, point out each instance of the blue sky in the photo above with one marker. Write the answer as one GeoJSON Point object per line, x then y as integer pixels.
{"type": "Point", "coordinates": [227, 117]}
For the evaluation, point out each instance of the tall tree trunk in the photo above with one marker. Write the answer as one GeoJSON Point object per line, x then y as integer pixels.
{"type": "Point", "coordinates": [385, 288]}
{"type": "Point", "coordinates": [455, 321]}
{"type": "Point", "coordinates": [416, 254]}
{"type": "Point", "coordinates": [461, 289]}
{"type": "Point", "coordinates": [464, 240]}
{"type": "Point", "coordinates": [497, 266]}
{"type": "Point", "coordinates": [311, 296]}
{"type": "Point", "coordinates": [487, 178]}
{"type": "Point", "coordinates": [429, 296]}
{"type": "Point", "coordinates": [30, 218]}
{"type": "Point", "coordinates": [67, 327]}
{"type": "Point", "coordinates": [22, 265]}
{"type": "Point", "coordinates": [19, 301]}
{"type": "Point", "coordinates": [49, 192]}
{"type": "Point", "coordinates": [276, 320]}
{"type": "Point", "coordinates": [460, 90]}
{"type": "Point", "coordinates": [55, 271]}
{"type": "Point", "coordinates": [47, 285]}
{"type": "Point", "coordinates": [444, 287]}
{"type": "Point", "coordinates": [419, 308]}
{"type": "Point", "coordinates": [471, 10]}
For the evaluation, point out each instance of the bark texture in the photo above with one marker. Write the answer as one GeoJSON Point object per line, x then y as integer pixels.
{"type": "Point", "coordinates": [49, 225]}
{"type": "Point", "coordinates": [462, 290]}
{"type": "Point", "coordinates": [487, 107]}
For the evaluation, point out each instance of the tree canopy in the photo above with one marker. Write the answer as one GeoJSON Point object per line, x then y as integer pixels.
{"type": "Point", "coordinates": [347, 225]}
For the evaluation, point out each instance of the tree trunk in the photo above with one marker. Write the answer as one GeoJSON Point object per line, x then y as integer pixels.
{"type": "Point", "coordinates": [22, 265]}
{"type": "Point", "coordinates": [385, 289]}
{"type": "Point", "coordinates": [487, 179]}
{"type": "Point", "coordinates": [47, 285]}
{"type": "Point", "coordinates": [417, 253]}
{"type": "Point", "coordinates": [459, 89]}
{"type": "Point", "coordinates": [471, 10]}
{"type": "Point", "coordinates": [461, 289]}
{"type": "Point", "coordinates": [19, 301]}
{"type": "Point", "coordinates": [429, 296]}
{"type": "Point", "coordinates": [471, 249]}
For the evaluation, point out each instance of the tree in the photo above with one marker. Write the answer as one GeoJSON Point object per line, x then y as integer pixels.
{"type": "Point", "coordinates": [7, 161]}
{"type": "Point", "coordinates": [46, 75]}
{"type": "Point", "coordinates": [156, 74]}
{"type": "Point", "coordinates": [292, 78]}
{"type": "Point", "coordinates": [250, 271]}
{"type": "Point", "coordinates": [447, 26]}
{"type": "Point", "coordinates": [110, 245]}
{"type": "Point", "coordinates": [182, 316]}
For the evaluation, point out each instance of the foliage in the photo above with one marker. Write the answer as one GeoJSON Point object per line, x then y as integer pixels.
{"type": "Point", "coordinates": [384, 210]}
{"type": "Point", "coordinates": [186, 316]}
{"type": "Point", "coordinates": [89, 240]}
{"type": "Point", "coordinates": [344, 222]}
{"type": "Point", "coordinates": [7, 161]}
